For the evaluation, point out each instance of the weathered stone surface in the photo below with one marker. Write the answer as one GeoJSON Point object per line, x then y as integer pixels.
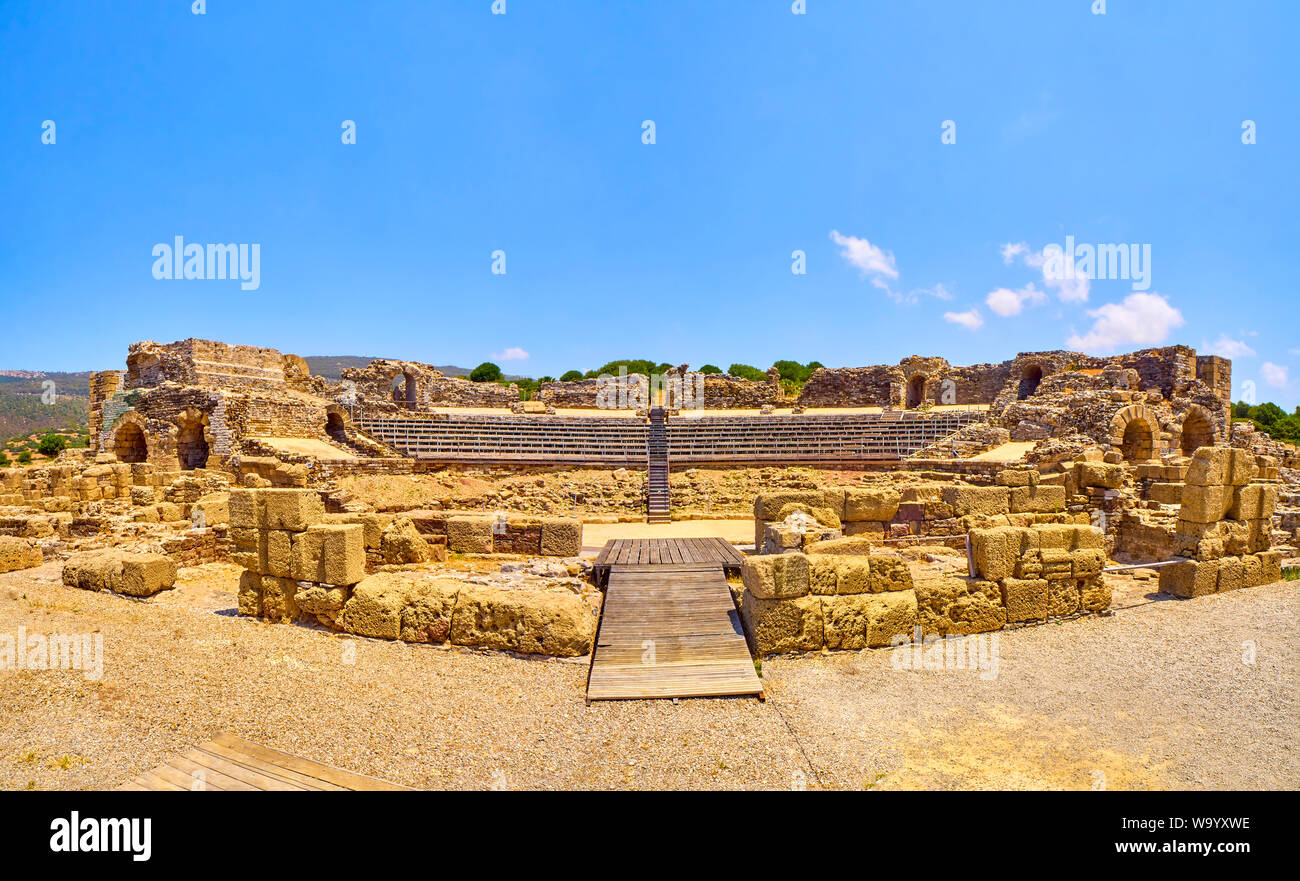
{"type": "Point", "coordinates": [320, 599]}
{"type": "Point", "coordinates": [278, 598]}
{"type": "Point", "coordinates": [289, 509]}
{"type": "Point", "coordinates": [427, 614]}
{"type": "Point", "coordinates": [250, 593]}
{"type": "Point", "coordinates": [561, 537]}
{"type": "Point", "coordinates": [1094, 594]}
{"type": "Point", "coordinates": [985, 500]}
{"type": "Point", "coordinates": [959, 606]}
{"type": "Point", "coordinates": [1191, 578]}
{"type": "Point", "coordinates": [1024, 599]}
{"type": "Point", "coordinates": [470, 535]}
{"type": "Point", "coordinates": [1205, 504]}
{"type": "Point", "coordinates": [781, 626]}
{"type": "Point", "coordinates": [822, 515]}
{"type": "Point", "coordinates": [533, 622]}
{"type": "Point", "coordinates": [375, 607]}
{"type": "Point", "coordinates": [139, 575]}
{"type": "Point", "coordinates": [996, 551]}
{"type": "Point", "coordinates": [832, 574]}
{"type": "Point", "coordinates": [1037, 499]}
{"type": "Point", "coordinates": [889, 572]}
{"type": "Point", "coordinates": [402, 543]}
{"type": "Point", "coordinates": [861, 503]}
{"type": "Point", "coordinates": [330, 553]}
{"type": "Point", "coordinates": [867, 620]}
{"type": "Point", "coordinates": [768, 504]}
{"type": "Point", "coordinates": [18, 553]}
{"type": "Point", "coordinates": [776, 576]}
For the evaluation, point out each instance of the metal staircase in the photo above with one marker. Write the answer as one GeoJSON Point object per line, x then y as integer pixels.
{"type": "Point", "coordinates": [656, 489]}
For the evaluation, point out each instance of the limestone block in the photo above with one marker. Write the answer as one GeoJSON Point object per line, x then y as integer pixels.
{"type": "Point", "coordinates": [215, 508]}
{"type": "Point", "coordinates": [868, 528]}
{"type": "Point", "coordinates": [1166, 493]}
{"type": "Point", "coordinates": [1058, 565]}
{"type": "Point", "coordinates": [836, 574]}
{"type": "Point", "coordinates": [244, 539]}
{"type": "Point", "coordinates": [1243, 468]}
{"type": "Point", "coordinates": [1270, 563]}
{"type": "Point", "coordinates": [427, 615]}
{"type": "Point", "coordinates": [776, 576]}
{"type": "Point", "coordinates": [1037, 499]}
{"type": "Point", "coordinates": [1256, 501]}
{"type": "Point", "coordinates": [996, 551]}
{"type": "Point", "coordinates": [1087, 563]}
{"type": "Point", "coordinates": [373, 525]}
{"type": "Point", "coordinates": [1252, 571]}
{"type": "Point", "coordinates": [1062, 597]}
{"type": "Point", "coordinates": [1094, 594]}
{"type": "Point", "coordinates": [533, 622]}
{"type": "Point", "coordinates": [320, 599]}
{"type": "Point", "coordinates": [857, 546]}
{"type": "Point", "coordinates": [142, 495]}
{"type": "Point", "coordinates": [330, 553]}
{"type": "Point", "coordinates": [1190, 578]}
{"type": "Point", "coordinates": [1205, 504]}
{"type": "Point", "coordinates": [18, 553]}
{"type": "Point", "coordinates": [471, 535]}
{"type": "Point", "coordinates": [767, 504]}
{"type": "Point", "coordinates": [241, 505]}
{"type": "Point", "coordinates": [867, 620]}
{"type": "Point", "coordinates": [289, 509]}
{"type": "Point", "coordinates": [402, 543]}
{"type": "Point", "coordinates": [822, 515]}
{"type": "Point", "coordinates": [862, 503]}
{"type": "Point", "coordinates": [120, 571]}
{"type": "Point", "coordinates": [1210, 466]}
{"type": "Point", "coordinates": [986, 500]}
{"type": "Point", "coordinates": [561, 537]}
{"type": "Point", "coordinates": [822, 576]}
{"type": "Point", "coordinates": [375, 607]}
{"type": "Point", "coordinates": [889, 572]}
{"type": "Point", "coordinates": [278, 598]}
{"type": "Point", "coordinates": [276, 554]}
{"type": "Point", "coordinates": [959, 606]}
{"type": "Point", "coordinates": [250, 593]}
{"type": "Point", "coordinates": [1024, 599]}
{"type": "Point", "coordinates": [1099, 474]}
{"type": "Point", "coordinates": [780, 626]}
{"type": "Point", "coordinates": [1017, 477]}
{"type": "Point", "coordinates": [1232, 574]}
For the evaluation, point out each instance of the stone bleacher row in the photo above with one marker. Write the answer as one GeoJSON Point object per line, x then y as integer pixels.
{"type": "Point", "coordinates": [618, 441]}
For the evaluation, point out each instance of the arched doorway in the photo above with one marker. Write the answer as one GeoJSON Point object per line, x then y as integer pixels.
{"type": "Point", "coordinates": [404, 390]}
{"type": "Point", "coordinates": [129, 444]}
{"type": "Point", "coordinates": [1139, 443]}
{"type": "Point", "coordinates": [915, 392]}
{"type": "Point", "coordinates": [191, 445]}
{"type": "Point", "coordinates": [1198, 432]}
{"type": "Point", "coordinates": [1029, 381]}
{"type": "Point", "coordinates": [335, 429]}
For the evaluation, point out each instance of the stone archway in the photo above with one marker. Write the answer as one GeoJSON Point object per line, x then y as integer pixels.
{"type": "Point", "coordinates": [129, 443]}
{"type": "Point", "coordinates": [335, 427]}
{"type": "Point", "coordinates": [405, 390]}
{"type": "Point", "coordinates": [915, 392]}
{"type": "Point", "coordinates": [191, 440]}
{"type": "Point", "coordinates": [1135, 430]}
{"type": "Point", "coordinates": [1030, 378]}
{"type": "Point", "coordinates": [1198, 430]}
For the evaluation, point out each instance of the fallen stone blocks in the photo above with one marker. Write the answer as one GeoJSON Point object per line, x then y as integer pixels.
{"type": "Point", "coordinates": [18, 553]}
{"type": "Point", "coordinates": [124, 572]}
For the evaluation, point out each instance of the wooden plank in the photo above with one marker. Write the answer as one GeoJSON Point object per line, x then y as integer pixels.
{"type": "Point", "coordinates": [328, 774]}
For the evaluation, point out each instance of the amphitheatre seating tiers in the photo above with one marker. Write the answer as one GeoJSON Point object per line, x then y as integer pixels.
{"type": "Point", "coordinates": [804, 438]}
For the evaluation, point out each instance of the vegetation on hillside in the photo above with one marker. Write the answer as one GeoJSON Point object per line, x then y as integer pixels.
{"type": "Point", "coordinates": [1270, 419]}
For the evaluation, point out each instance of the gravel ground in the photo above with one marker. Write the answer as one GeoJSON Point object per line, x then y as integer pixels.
{"type": "Point", "coordinates": [1155, 696]}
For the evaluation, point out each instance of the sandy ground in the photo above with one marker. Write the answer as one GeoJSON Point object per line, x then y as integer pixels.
{"type": "Point", "coordinates": [594, 535]}
{"type": "Point", "coordinates": [305, 446]}
{"type": "Point", "coordinates": [1012, 451]}
{"type": "Point", "coordinates": [1162, 694]}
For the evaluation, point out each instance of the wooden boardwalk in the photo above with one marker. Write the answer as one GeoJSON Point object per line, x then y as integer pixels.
{"type": "Point", "coordinates": [669, 627]}
{"type": "Point", "coordinates": [230, 763]}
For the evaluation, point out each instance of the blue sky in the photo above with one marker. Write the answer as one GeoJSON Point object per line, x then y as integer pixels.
{"type": "Point", "coordinates": [774, 132]}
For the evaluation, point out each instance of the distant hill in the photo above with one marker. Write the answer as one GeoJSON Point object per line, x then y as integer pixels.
{"type": "Point", "coordinates": [24, 412]}
{"type": "Point", "coordinates": [331, 366]}
{"type": "Point", "coordinates": [32, 382]}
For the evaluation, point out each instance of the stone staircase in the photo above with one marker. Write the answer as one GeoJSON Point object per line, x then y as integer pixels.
{"type": "Point", "coordinates": [656, 490]}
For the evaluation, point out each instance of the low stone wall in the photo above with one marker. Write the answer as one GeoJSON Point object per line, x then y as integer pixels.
{"type": "Point", "coordinates": [137, 575]}
{"type": "Point", "coordinates": [515, 534]}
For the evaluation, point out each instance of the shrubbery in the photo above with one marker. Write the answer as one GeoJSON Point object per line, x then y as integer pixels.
{"type": "Point", "coordinates": [1270, 419]}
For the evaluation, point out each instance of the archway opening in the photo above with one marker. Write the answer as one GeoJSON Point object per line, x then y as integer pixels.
{"type": "Point", "coordinates": [1139, 443]}
{"type": "Point", "coordinates": [1197, 433]}
{"type": "Point", "coordinates": [915, 392]}
{"type": "Point", "coordinates": [1029, 381]}
{"type": "Point", "coordinates": [129, 444]}
{"type": "Point", "coordinates": [334, 427]}
{"type": "Point", "coordinates": [191, 445]}
{"type": "Point", "coordinates": [404, 390]}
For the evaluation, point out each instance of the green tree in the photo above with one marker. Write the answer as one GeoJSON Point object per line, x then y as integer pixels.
{"type": "Point", "coordinates": [25, 457]}
{"type": "Point", "coordinates": [51, 445]}
{"type": "Point", "coordinates": [571, 376]}
{"type": "Point", "coordinates": [744, 371]}
{"type": "Point", "coordinates": [4, 459]}
{"type": "Point", "coordinates": [710, 368]}
{"type": "Point", "coordinates": [486, 372]}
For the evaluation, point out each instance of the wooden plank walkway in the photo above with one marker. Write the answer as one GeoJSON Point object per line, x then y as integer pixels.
{"type": "Point", "coordinates": [228, 762]}
{"type": "Point", "coordinates": [669, 627]}
{"type": "Point", "coordinates": [665, 551]}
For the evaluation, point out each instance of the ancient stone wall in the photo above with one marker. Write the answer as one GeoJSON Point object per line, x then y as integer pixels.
{"type": "Point", "coordinates": [205, 363]}
{"type": "Point", "coordinates": [386, 385]}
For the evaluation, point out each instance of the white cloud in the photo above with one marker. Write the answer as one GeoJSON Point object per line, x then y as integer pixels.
{"type": "Point", "coordinates": [1274, 374]}
{"type": "Point", "coordinates": [871, 261]}
{"type": "Point", "coordinates": [970, 319]}
{"type": "Point", "coordinates": [1006, 302]}
{"type": "Point", "coordinates": [1050, 261]}
{"type": "Point", "coordinates": [1141, 319]}
{"type": "Point", "coordinates": [514, 353]}
{"type": "Point", "coordinates": [1226, 347]}
{"type": "Point", "coordinates": [938, 291]}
